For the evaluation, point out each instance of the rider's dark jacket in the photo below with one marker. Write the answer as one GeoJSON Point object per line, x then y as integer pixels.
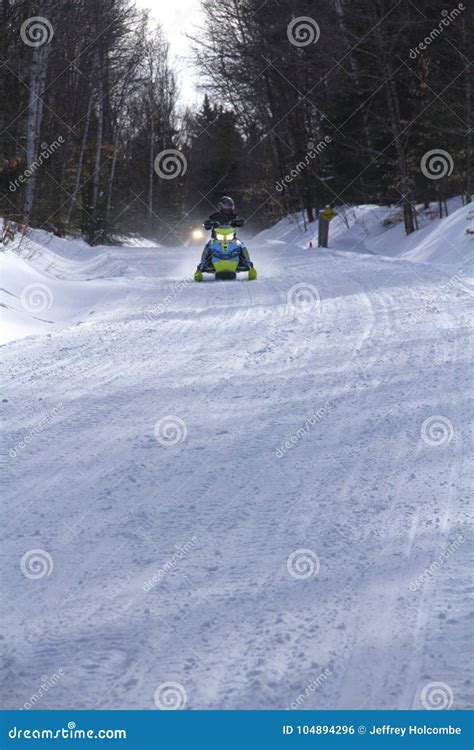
{"type": "Point", "coordinates": [223, 217]}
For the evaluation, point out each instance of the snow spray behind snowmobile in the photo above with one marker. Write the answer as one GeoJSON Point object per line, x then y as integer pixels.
{"type": "Point", "coordinates": [225, 255]}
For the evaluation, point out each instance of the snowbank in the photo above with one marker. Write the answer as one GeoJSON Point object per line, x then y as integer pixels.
{"type": "Point", "coordinates": [50, 282]}
{"type": "Point", "coordinates": [379, 230]}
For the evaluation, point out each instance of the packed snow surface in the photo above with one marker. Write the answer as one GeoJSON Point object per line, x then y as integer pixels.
{"type": "Point", "coordinates": [255, 491]}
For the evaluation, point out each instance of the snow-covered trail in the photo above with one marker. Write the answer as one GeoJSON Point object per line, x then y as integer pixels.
{"type": "Point", "coordinates": [299, 425]}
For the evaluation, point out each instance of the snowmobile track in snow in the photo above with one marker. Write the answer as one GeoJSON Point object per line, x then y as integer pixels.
{"type": "Point", "coordinates": [245, 484]}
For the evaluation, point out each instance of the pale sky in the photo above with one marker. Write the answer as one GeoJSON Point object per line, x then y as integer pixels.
{"type": "Point", "coordinates": [178, 17]}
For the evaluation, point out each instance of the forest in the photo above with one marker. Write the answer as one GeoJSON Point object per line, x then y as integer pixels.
{"type": "Point", "coordinates": [304, 104]}
{"type": "Point", "coordinates": [236, 242]}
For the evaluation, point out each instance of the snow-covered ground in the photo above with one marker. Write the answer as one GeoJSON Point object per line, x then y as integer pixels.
{"type": "Point", "coordinates": [257, 492]}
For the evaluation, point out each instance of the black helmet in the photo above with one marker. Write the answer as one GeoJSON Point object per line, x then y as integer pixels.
{"type": "Point", "coordinates": [226, 204]}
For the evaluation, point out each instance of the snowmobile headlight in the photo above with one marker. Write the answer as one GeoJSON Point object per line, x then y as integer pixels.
{"type": "Point", "coordinates": [225, 237]}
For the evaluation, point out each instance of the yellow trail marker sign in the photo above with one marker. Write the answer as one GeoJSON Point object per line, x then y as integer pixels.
{"type": "Point", "coordinates": [328, 213]}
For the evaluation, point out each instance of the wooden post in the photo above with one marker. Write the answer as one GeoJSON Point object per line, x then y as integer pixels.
{"type": "Point", "coordinates": [325, 217]}
{"type": "Point", "coordinates": [323, 231]}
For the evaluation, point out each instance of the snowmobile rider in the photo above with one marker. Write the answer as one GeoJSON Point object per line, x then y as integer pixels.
{"type": "Point", "coordinates": [225, 216]}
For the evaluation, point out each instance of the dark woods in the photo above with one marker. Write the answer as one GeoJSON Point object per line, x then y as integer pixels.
{"type": "Point", "coordinates": [101, 86]}
{"type": "Point", "coordinates": [306, 104]}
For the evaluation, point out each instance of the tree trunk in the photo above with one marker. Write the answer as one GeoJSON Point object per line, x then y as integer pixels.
{"type": "Point", "coordinates": [151, 166]}
{"type": "Point", "coordinates": [98, 152]}
{"type": "Point", "coordinates": [93, 217]}
{"type": "Point", "coordinates": [339, 8]}
{"type": "Point", "coordinates": [394, 114]}
{"type": "Point", "coordinates": [80, 162]}
{"type": "Point", "coordinates": [468, 135]}
{"type": "Point", "coordinates": [39, 67]}
{"type": "Point", "coordinates": [112, 174]}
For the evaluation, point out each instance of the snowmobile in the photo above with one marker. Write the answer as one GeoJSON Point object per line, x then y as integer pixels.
{"type": "Point", "coordinates": [227, 255]}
